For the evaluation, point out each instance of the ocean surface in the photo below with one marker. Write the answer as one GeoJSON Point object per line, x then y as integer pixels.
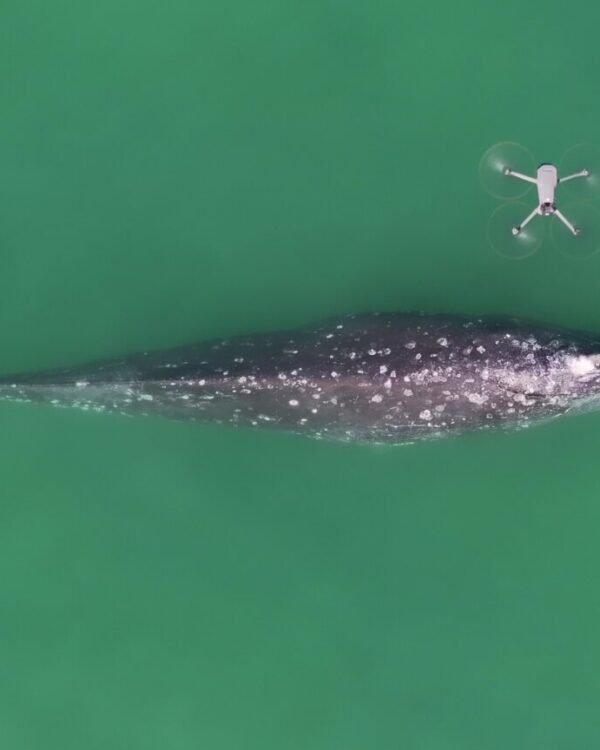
{"type": "Point", "coordinates": [171, 172]}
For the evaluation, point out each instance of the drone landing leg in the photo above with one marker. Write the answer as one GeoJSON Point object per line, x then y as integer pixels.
{"type": "Point", "coordinates": [516, 230]}
{"type": "Point", "coordinates": [511, 173]}
{"type": "Point", "coordinates": [573, 229]}
{"type": "Point", "coordinates": [583, 173]}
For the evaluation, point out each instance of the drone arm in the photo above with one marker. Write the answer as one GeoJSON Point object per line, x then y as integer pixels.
{"type": "Point", "coordinates": [523, 224]}
{"type": "Point", "coordinates": [512, 173]}
{"type": "Point", "coordinates": [566, 222]}
{"type": "Point", "coordinates": [583, 173]}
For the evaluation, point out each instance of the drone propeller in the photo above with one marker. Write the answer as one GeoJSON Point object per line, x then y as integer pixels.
{"type": "Point", "coordinates": [500, 234]}
{"type": "Point", "coordinates": [586, 218]}
{"type": "Point", "coordinates": [494, 163]}
{"type": "Point", "coordinates": [577, 158]}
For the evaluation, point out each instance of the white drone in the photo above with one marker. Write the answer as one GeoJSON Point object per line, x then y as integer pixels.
{"type": "Point", "coordinates": [546, 181]}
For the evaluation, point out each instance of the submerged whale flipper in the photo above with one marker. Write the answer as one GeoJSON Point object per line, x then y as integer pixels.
{"type": "Point", "coordinates": [379, 377]}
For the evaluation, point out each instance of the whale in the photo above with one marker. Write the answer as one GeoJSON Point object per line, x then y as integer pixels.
{"type": "Point", "coordinates": [390, 378]}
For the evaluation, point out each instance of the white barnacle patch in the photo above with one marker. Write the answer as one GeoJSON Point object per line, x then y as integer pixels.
{"type": "Point", "coordinates": [407, 392]}
{"type": "Point", "coordinates": [442, 341]}
{"type": "Point", "coordinates": [293, 402]}
{"type": "Point", "coordinates": [521, 398]}
{"type": "Point", "coordinates": [202, 382]}
{"type": "Point", "coordinates": [329, 336]}
{"type": "Point", "coordinates": [410, 344]}
{"type": "Point", "coordinates": [425, 414]}
{"type": "Point", "coordinates": [382, 369]}
{"type": "Point", "coordinates": [146, 397]}
{"type": "Point", "coordinates": [440, 408]}
{"type": "Point", "coordinates": [282, 376]}
{"type": "Point", "coordinates": [581, 365]}
{"type": "Point", "coordinates": [477, 398]}
{"type": "Point", "coordinates": [335, 374]}
{"type": "Point", "coordinates": [372, 352]}
{"type": "Point", "coordinates": [418, 356]}
{"type": "Point", "coordinates": [242, 379]}
{"type": "Point", "coordinates": [388, 383]}
{"type": "Point", "coordinates": [81, 383]}
{"type": "Point", "coordinates": [481, 349]}
{"type": "Point", "coordinates": [377, 398]}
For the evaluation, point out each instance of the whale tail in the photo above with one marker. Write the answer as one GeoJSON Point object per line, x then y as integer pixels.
{"type": "Point", "coordinates": [91, 387]}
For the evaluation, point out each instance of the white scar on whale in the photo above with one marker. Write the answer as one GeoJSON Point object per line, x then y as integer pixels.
{"type": "Point", "coordinates": [381, 378]}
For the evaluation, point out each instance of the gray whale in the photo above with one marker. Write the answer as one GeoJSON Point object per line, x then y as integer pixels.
{"type": "Point", "coordinates": [384, 378]}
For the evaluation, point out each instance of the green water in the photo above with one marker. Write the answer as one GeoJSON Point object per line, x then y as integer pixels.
{"type": "Point", "coordinates": [175, 171]}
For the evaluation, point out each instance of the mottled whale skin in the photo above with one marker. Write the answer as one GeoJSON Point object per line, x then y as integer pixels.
{"type": "Point", "coordinates": [383, 378]}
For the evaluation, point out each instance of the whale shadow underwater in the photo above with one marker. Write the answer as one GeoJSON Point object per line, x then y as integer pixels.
{"type": "Point", "coordinates": [389, 378]}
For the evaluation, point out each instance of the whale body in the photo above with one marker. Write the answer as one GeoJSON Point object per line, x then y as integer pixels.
{"type": "Point", "coordinates": [383, 378]}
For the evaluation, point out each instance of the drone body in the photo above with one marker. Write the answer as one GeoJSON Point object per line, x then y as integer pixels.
{"type": "Point", "coordinates": [547, 181]}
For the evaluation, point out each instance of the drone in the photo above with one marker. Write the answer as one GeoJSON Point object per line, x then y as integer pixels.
{"type": "Point", "coordinates": [546, 181]}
